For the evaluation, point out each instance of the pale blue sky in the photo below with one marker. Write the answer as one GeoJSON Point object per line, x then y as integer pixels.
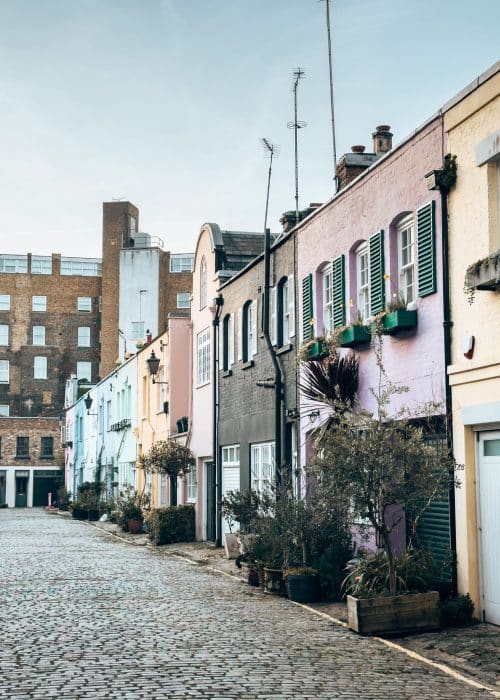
{"type": "Point", "coordinates": [162, 102]}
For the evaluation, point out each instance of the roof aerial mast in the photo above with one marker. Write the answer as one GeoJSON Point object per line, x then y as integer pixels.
{"type": "Point", "coordinates": [296, 125]}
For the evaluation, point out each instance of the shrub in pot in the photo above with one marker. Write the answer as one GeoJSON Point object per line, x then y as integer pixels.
{"type": "Point", "coordinates": [129, 510]}
{"type": "Point", "coordinates": [302, 583]}
{"type": "Point", "coordinates": [171, 524]}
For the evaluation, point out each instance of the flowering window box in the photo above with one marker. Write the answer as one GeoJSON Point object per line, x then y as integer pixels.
{"type": "Point", "coordinates": [355, 335]}
{"type": "Point", "coordinates": [400, 320]}
{"type": "Point", "coordinates": [317, 350]}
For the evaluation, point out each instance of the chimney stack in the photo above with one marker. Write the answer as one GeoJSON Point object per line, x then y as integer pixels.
{"type": "Point", "coordinates": [382, 139]}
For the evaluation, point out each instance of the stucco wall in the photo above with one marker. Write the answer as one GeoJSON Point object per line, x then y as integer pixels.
{"type": "Point", "coordinates": [139, 285]}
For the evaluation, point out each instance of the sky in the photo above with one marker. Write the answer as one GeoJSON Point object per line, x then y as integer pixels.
{"type": "Point", "coordinates": [163, 103]}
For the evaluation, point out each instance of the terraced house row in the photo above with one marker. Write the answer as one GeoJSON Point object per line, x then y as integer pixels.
{"type": "Point", "coordinates": [413, 233]}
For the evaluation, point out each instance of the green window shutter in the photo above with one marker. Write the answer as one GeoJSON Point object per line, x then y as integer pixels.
{"type": "Point", "coordinates": [377, 282]}
{"type": "Point", "coordinates": [426, 244]}
{"type": "Point", "coordinates": [307, 308]}
{"type": "Point", "coordinates": [338, 266]}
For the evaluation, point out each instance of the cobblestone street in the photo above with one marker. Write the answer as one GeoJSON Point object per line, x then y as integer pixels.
{"type": "Point", "coordinates": [84, 616]}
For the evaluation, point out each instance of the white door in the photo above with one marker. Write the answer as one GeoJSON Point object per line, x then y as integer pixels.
{"type": "Point", "coordinates": [489, 523]}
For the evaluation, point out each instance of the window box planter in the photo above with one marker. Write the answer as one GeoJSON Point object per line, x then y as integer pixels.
{"type": "Point", "coordinates": [317, 350]}
{"type": "Point", "coordinates": [392, 615]}
{"type": "Point", "coordinates": [401, 320]}
{"type": "Point", "coordinates": [355, 335]}
{"type": "Point", "coordinates": [483, 275]}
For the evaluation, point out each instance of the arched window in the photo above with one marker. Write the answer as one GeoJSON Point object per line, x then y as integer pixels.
{"type": "Point", "coordinates": [203, 283]}
{"type": "Point", "coordinates": [363, 280]}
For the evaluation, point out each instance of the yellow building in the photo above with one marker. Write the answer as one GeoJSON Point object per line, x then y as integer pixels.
{"type": "Point", "coordinates": [472, 127]}
{"type": "Point", "coordinates": [163, 404]}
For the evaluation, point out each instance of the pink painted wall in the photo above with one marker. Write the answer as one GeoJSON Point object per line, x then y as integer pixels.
{"type": "Point", "coordinates": [394, 187]}
{"type": "Point", "coordinates": [180, 374]}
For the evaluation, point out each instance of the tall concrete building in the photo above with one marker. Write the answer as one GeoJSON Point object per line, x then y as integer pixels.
{"type": "Point", "coordinates": [65, 316]}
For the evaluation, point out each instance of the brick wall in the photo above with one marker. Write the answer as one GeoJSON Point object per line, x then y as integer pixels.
{"type": "Point", "coordinates": [171, 283]}
{"type": "Point", "coordinates": [34, 429]}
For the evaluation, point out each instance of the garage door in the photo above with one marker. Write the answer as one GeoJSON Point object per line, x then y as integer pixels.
{"type": "Point", "coordinates": [489, 523]}
{"type": "Point", "coordinates": [230, 478]}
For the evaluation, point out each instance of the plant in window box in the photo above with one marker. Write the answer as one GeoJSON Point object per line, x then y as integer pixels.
{"type": "Point", "coordinates": [355, 334]}
{"type": "Point", "coordinates": [314, 349]}
{"type": "Point", "coordinates": [397, 316]}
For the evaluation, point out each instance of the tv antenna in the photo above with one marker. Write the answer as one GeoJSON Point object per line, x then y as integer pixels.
{"type": "Point", "coordinates": [332, 112]}
{"type": "Point", "coordinates": [296, 125]}
{"type": "Point", "coordinates": [271, 151]}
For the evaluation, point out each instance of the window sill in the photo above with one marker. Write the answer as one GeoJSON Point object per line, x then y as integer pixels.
{"type": "Point", "coordinates": [247, 365]}
{"type": "Point", "coordinates": [25, 457]}
{"type": "Point", "coordinates": [227, 373]}
{"type": "Point", "coordinates": [46, 456]}
{"type": "Point", "coordinates": [199, 386]}
{"type": "Point", "coordinates": [283, 349]}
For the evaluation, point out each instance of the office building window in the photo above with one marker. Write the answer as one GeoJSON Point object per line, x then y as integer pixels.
{"type": "Point", "coordinates": [40, 367]}
{"type": "Point", "coordinates": [84, 304]}
{"type": "Point", "coordinates": [4, 334]}
{"type": "Point", "coordinates": [83, 337]}
{"type": "Point", "coordinates": [4, 302]}
{"type": "Point", "coordinates": [41, 265]}
{"type": "Point", "coordinates": [183, 300]}
{"type": "Point", "coordinates": [39, 303]}
{"type": "Point", "coordinates": [46, 447]}
{"type": "Point", "coordinates": [181, 263]}
{"type": "Point", "coordinates": [38, 335]}
{"type": "Point", "coordinates": [4, 371]}
{"type": "Point", "coordinates": [22, 447]}
{"type": "Point", "coordinates": [84, 371]}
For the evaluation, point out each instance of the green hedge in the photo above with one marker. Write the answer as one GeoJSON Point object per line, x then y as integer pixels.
{"type": "Point", "coordinates": [171, 524]}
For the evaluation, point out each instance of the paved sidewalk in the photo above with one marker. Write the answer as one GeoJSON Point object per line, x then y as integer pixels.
{"type": "Point", "coordinates": [472, 651]}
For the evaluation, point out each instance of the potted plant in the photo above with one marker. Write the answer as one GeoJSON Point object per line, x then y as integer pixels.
{"type": "Point", "coordinates": [129, 510]}
{"type": "Point", "coordinates": [302, 583]}
{"type": "Point", "coordinates": [380, 469]}
{"type": "Point", "coordinates": [397, 316]}
{"type": "Point", "coordinates": [86, 504]}
{"type": "Point", "coordinates": [169, 457]}
{"type": "Point", "coordinates": [355, 334]}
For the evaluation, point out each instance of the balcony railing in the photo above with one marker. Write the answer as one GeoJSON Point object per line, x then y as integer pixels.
{"type": "Point", "coordinates": [121, 425]}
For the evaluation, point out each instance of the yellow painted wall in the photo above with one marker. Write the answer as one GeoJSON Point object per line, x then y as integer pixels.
{"type": "Point", "coordinates": [474, 233]}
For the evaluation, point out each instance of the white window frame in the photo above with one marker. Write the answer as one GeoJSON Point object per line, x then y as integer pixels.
{"type": "Point", "coordinates": [41, 265]}
{"type": "Point", "coordinates": [39, 303]}
{"type": "Point", "coordinates": [262, 467]}
{"type": "Point", "coordinates": [4, 302]}
{"type": "Point", "coordinates": [181, 262]}
{"type": "Point", "coordinates": [183, 300]}
{"type": "Point", "coordinates": [84, 304]}
{"type": "Point", "coordinates": [12, 264]}
{"type": "Point", "coordinates": [40, 367]}
{"type": "Point", "coordinates": [203, 283]}
{"type": "Point", "coordinates": [84, 374]}
{"type": "Point", "coordinates": [137, 330]}
{"type": "Point", "coordinates": [38, 335]}
{"type": "Point", "coordinates": [191, 484]}
{"type": "Point", "coordinates": [4, 334]}
{"type": "Point", "coordinates": [406, 258]}
{"type": "Point", "coordinates": [4, 410]}
{"type": "Point", "coordinates": [327, 289]}
{"type": "Point", "coordinates": [363, 281]}
{"type": "Point", "coordinates": [4, 371]}
{"type": "Point", "coordinates": [83, 338]}
{"type": "Point", "coordinates": [249, 330]}
{"type": "Point", "coordinates": [203, 357]}
{"type": "Point", "coordinates": [82, 267]}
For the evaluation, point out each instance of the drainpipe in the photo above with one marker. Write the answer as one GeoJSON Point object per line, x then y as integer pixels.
{"type": "Point", "coordinates": [278, 384]}
{"type": "Point", "coordinates": [443, 180]}
{"type": "Point", "coordinates": [217, 494]}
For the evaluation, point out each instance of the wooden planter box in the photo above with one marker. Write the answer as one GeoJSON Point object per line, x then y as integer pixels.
{"type": "Point", "coordinates": [355, 335]}
{"type": "Point", "coordinates": [393, 615]}
{"type": "Point", "coordinates": [401, 320]}
{"type": "Point", "coordinates": [317, 351]}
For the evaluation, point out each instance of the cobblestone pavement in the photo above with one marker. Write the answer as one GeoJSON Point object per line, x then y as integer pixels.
{"type": "Point", "coordinates": [82, 616]}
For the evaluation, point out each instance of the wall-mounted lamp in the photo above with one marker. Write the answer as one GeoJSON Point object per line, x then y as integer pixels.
{"type": "Point", "coordinates": [88, 405]}
{"type": "Point", "coordinates": [153, 364]}
{"type": "Point", "coordinates": [314, 415]}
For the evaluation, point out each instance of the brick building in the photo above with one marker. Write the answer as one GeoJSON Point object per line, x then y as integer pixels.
{"type": "Point", "coordinates": [63, 316]}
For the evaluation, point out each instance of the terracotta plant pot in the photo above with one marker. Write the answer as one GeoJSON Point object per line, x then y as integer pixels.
{"type": "Point", "coordinates": [135, 526]}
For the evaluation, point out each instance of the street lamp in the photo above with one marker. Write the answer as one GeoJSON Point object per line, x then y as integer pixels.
{"type": "Point", "coordinates": [88, 405]}
{"type": "Point", "coordinates": [153, 364]}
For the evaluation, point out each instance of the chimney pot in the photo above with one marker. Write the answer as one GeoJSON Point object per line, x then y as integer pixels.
{"type": "Point", "coordinates": [382, 139]}
{"type": "Point", "coordinates": [358, 149]}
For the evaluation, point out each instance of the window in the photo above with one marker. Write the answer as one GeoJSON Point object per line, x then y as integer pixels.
{"type": "Point", "coordinates": [87, 267]}
{"type": "Point", "coordinates": [41, 265]}
{"type": "Point", "coordinates": [4, 409]}
{"type": "Point", "coordinates": [181, 263]}
{"type": "Point", "coordinates": [191, 485]}
{"type": "Point", "coordinates": [203, 357]}
{"type": "Point", "coordinates": [40, 367]}
{"type": "Point", "coordinates": [132, 225]}
{"type": "Point", "coordinates": [327, 278]}
{"type": "Point", "coordinates": [203, 282]}
{"type": "Point", "coordinates": [4, 334]}
{"type": "Point", "coordinates": [13, 263]}
{"type": "Point", "coordinates": [4, 302]}
{"type": "Point", "coordinates": [286, 311]}
{"type": "Point", "coordinates": [4, 371]}
{"type": "Point", "coordinates": [46, 447]}
{"type": "Point", "coordinates": [22, 448]}
{"type": "Point", "coordinates": [83, 337]}
{"type": "Point", "coordinates": [406, 258]}
{"type": "Point", "coordinates": [262, 466]}
{"type": "Point", "coordinates": [84, 371]}
{"type": "Point", "coordinates": [39, 303]}
{"type": "Point", "coordinates": [108, 415]}
{"type": "Point", "coordinates": [38, 335]}
{"type": "Point", "coordinates": [227, 341]}
{"type": "Point", "coordinates": [249, 331]}
{"type": "Point", "coordinates": [363, 281]}
{"type": "Point", "coordinates": [84, 304]}
{"type": "Point", "coordinates": [137, 330]}
{"type": "Point", "coordinates": [183, 300]}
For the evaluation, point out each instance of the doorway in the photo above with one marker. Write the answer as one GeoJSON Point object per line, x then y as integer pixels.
{"type": "Point", "coordinates": [22, 479]}
{"type": "Point", "coordinates": [489, 523]}
{"type": "Point", "coordinates": [210, 500]}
